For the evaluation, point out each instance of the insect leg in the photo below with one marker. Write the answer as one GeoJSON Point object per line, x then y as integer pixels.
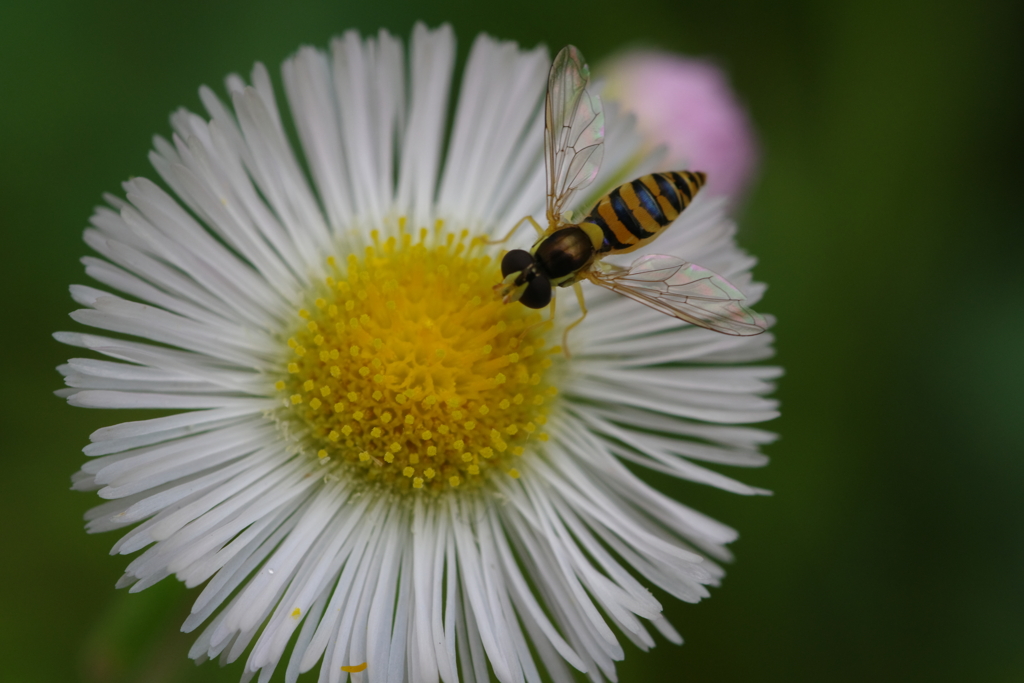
{"type": "Point", "coordinates": [535, 224]}
{"type": "Point", "coordinates": [583, 307]}
{"type": "Point", "coordinates": [550, 320]}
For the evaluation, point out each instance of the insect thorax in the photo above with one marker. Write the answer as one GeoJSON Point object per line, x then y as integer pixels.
{"type": "Point", "coordinates": [563, 254]}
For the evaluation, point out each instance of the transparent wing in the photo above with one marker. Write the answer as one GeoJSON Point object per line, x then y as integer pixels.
{"type": "Point", "coordinates": [686, 291]}
{"type": "Point", "coordinates": [573, 131]}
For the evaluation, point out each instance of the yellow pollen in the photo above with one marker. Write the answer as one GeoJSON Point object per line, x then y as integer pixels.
{"type": "Point", "coordinates": [354, 668]}
{"type": "Point", "coordinates": [443, 384]}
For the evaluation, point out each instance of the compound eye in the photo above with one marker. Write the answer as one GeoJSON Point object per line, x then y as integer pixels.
{"type": "Point", "coordinates": [537, 294]}
{"type": "Point", "coordinates": [515, 261]}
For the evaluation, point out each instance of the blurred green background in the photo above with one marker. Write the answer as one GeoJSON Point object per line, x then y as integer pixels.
{"type": "Point", "coordinates": [889, 220]}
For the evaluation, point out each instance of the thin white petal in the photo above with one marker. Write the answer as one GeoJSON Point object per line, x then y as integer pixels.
{"type": "Point", "coordinates": [431, 57]}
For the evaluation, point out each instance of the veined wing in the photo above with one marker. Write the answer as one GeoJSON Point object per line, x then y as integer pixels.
{"type": "Point", "coordinates": [686, 291]}
{"type": "Point", "coordinates": [573, 131]}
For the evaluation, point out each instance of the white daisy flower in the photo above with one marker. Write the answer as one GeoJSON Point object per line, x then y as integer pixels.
{"type": "Point", "coordinates": [374, 458]}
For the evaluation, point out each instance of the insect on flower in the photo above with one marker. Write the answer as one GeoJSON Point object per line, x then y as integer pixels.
{"type": "Point", "coordinates": [625, 219]}
{"type": "Point", "coordinates": [372, 463]}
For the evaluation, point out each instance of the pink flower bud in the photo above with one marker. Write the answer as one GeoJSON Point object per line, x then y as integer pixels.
{"type": "Point", "coordinates": [688, 105]}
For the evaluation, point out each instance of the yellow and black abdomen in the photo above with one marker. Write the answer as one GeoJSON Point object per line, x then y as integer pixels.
{"type": "Point", "coordinates": [635, 213]}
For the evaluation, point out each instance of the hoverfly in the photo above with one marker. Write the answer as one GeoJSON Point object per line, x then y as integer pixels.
{"type": "Point", "coordinates": [625, 219]}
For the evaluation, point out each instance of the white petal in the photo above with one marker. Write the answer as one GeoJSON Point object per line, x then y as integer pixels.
{"type": "Point", "coordinates": [431, 58]}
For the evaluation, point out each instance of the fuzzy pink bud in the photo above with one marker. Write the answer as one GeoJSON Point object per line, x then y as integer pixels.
{"type": "Point", "coordinates": [688, 105]}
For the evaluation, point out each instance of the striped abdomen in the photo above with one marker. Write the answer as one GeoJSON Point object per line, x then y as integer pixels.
{"type": "Point", "coordinates": [635, 213]}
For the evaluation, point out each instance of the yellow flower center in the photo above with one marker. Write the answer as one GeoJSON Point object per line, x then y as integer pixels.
{"type": "Point", "coordinates": [407, 368]}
